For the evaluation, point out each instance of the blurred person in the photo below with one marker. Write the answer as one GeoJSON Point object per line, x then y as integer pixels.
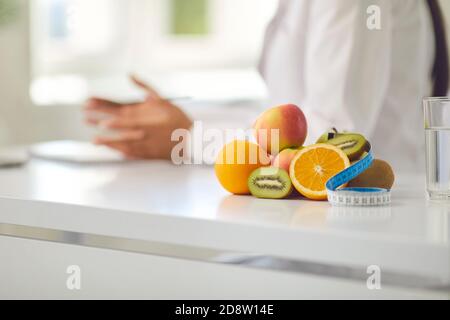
{"type": "Point", "coordinates": [322, 56]}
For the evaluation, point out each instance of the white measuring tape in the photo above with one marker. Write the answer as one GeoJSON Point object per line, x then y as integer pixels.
{"type": "Point", "coordinates": [356, 196]}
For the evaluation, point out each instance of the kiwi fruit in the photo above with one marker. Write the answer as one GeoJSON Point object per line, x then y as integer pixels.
{"type": "Point", "coordinates": [352, 144]}
{"type": "Point", "coordinates": [330, 134]}
{"type": "Point", "coordinates": [378, 175]}
{"type": "Point", "coordinates": [270, 183]}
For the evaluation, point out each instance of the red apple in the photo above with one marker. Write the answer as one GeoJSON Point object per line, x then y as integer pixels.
{"type": "Point", "coordinates": [280, 128]}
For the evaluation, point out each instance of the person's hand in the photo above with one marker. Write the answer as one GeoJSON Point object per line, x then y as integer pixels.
{"type": "Point", "coordinates": [143, 129]}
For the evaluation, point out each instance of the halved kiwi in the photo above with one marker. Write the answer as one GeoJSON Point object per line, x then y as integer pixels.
{"type": "Point", "coordinates": [353, 144]}
{"type": "Point", "coordinates": [270, 183]}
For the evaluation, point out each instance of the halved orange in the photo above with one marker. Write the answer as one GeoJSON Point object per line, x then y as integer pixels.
{"type": "Point", "coordinates": [313, 166]}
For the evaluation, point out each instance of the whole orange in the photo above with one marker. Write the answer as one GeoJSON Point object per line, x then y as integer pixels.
{"type": "Point", "coordinates": [236, 161]}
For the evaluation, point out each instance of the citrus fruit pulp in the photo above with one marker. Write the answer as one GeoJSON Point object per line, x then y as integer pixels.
{"type": "Point", "coordinates": [313, 166]}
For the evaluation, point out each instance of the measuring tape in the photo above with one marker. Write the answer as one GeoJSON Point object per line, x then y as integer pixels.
{"type": "Point", "coordinates": [356, 196]}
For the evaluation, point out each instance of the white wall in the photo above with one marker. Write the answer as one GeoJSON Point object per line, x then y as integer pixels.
{"type": "Point", "coordinates": [445, 4]}
{"type": "Point", "coordinates": [20, 122]}
{"type": "Point", "coordinates": [13, 79]}
{"type": "Point", "coordinates": [446, 7]}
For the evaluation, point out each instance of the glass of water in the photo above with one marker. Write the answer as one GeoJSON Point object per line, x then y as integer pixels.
{"type": "Point", "coordinates": [437, 132]}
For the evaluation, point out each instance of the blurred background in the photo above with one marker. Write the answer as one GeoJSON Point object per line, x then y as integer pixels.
{"type": "Point", "coordinates": [56, 53]}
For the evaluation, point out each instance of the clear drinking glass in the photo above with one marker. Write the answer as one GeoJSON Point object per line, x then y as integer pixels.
{"type": "Point", "coordinates": [437, 133]}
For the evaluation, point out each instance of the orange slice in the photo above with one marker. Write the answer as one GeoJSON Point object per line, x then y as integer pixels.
{"type": "Point", "coordinates": [313, 166]}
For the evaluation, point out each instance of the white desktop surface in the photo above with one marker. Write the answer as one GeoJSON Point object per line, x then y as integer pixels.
{"type": "Point", "coordinates": [184, 205]}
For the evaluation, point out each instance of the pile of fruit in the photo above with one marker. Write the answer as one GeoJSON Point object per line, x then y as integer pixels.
{"type": "Point", "coordinates": [277, 164]}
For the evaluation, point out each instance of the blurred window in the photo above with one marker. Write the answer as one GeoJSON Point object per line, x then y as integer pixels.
{"type": "Point", "coordinates": [75, 41]}
{"type": "Point", "coordinates": [189, 17]}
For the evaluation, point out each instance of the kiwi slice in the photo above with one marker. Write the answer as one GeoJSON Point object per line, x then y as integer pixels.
{"type": "Point", "coordinates": [379, 175]}
{"type": "Point", "coordinates": [353, 144]}
{"type": "Point", "coordinates": [270, 183]}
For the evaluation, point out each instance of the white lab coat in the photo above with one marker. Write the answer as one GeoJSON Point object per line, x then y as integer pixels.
{"type": "Point", "coordinates": [320, 55]}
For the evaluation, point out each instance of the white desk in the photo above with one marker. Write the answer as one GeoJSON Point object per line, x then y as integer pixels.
{"type": "Point", "coordinates": [152, 230]}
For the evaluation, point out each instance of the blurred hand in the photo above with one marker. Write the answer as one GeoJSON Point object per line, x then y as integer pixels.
{"type": "Point", "coordinates": [143, 129]}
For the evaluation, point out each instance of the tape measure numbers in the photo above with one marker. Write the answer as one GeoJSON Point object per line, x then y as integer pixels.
{"type": "Point", "coordinates": [356, 196]}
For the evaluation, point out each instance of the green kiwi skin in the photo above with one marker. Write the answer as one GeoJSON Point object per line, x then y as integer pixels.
{"type": "Point", "coordinates": [274, 175]}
